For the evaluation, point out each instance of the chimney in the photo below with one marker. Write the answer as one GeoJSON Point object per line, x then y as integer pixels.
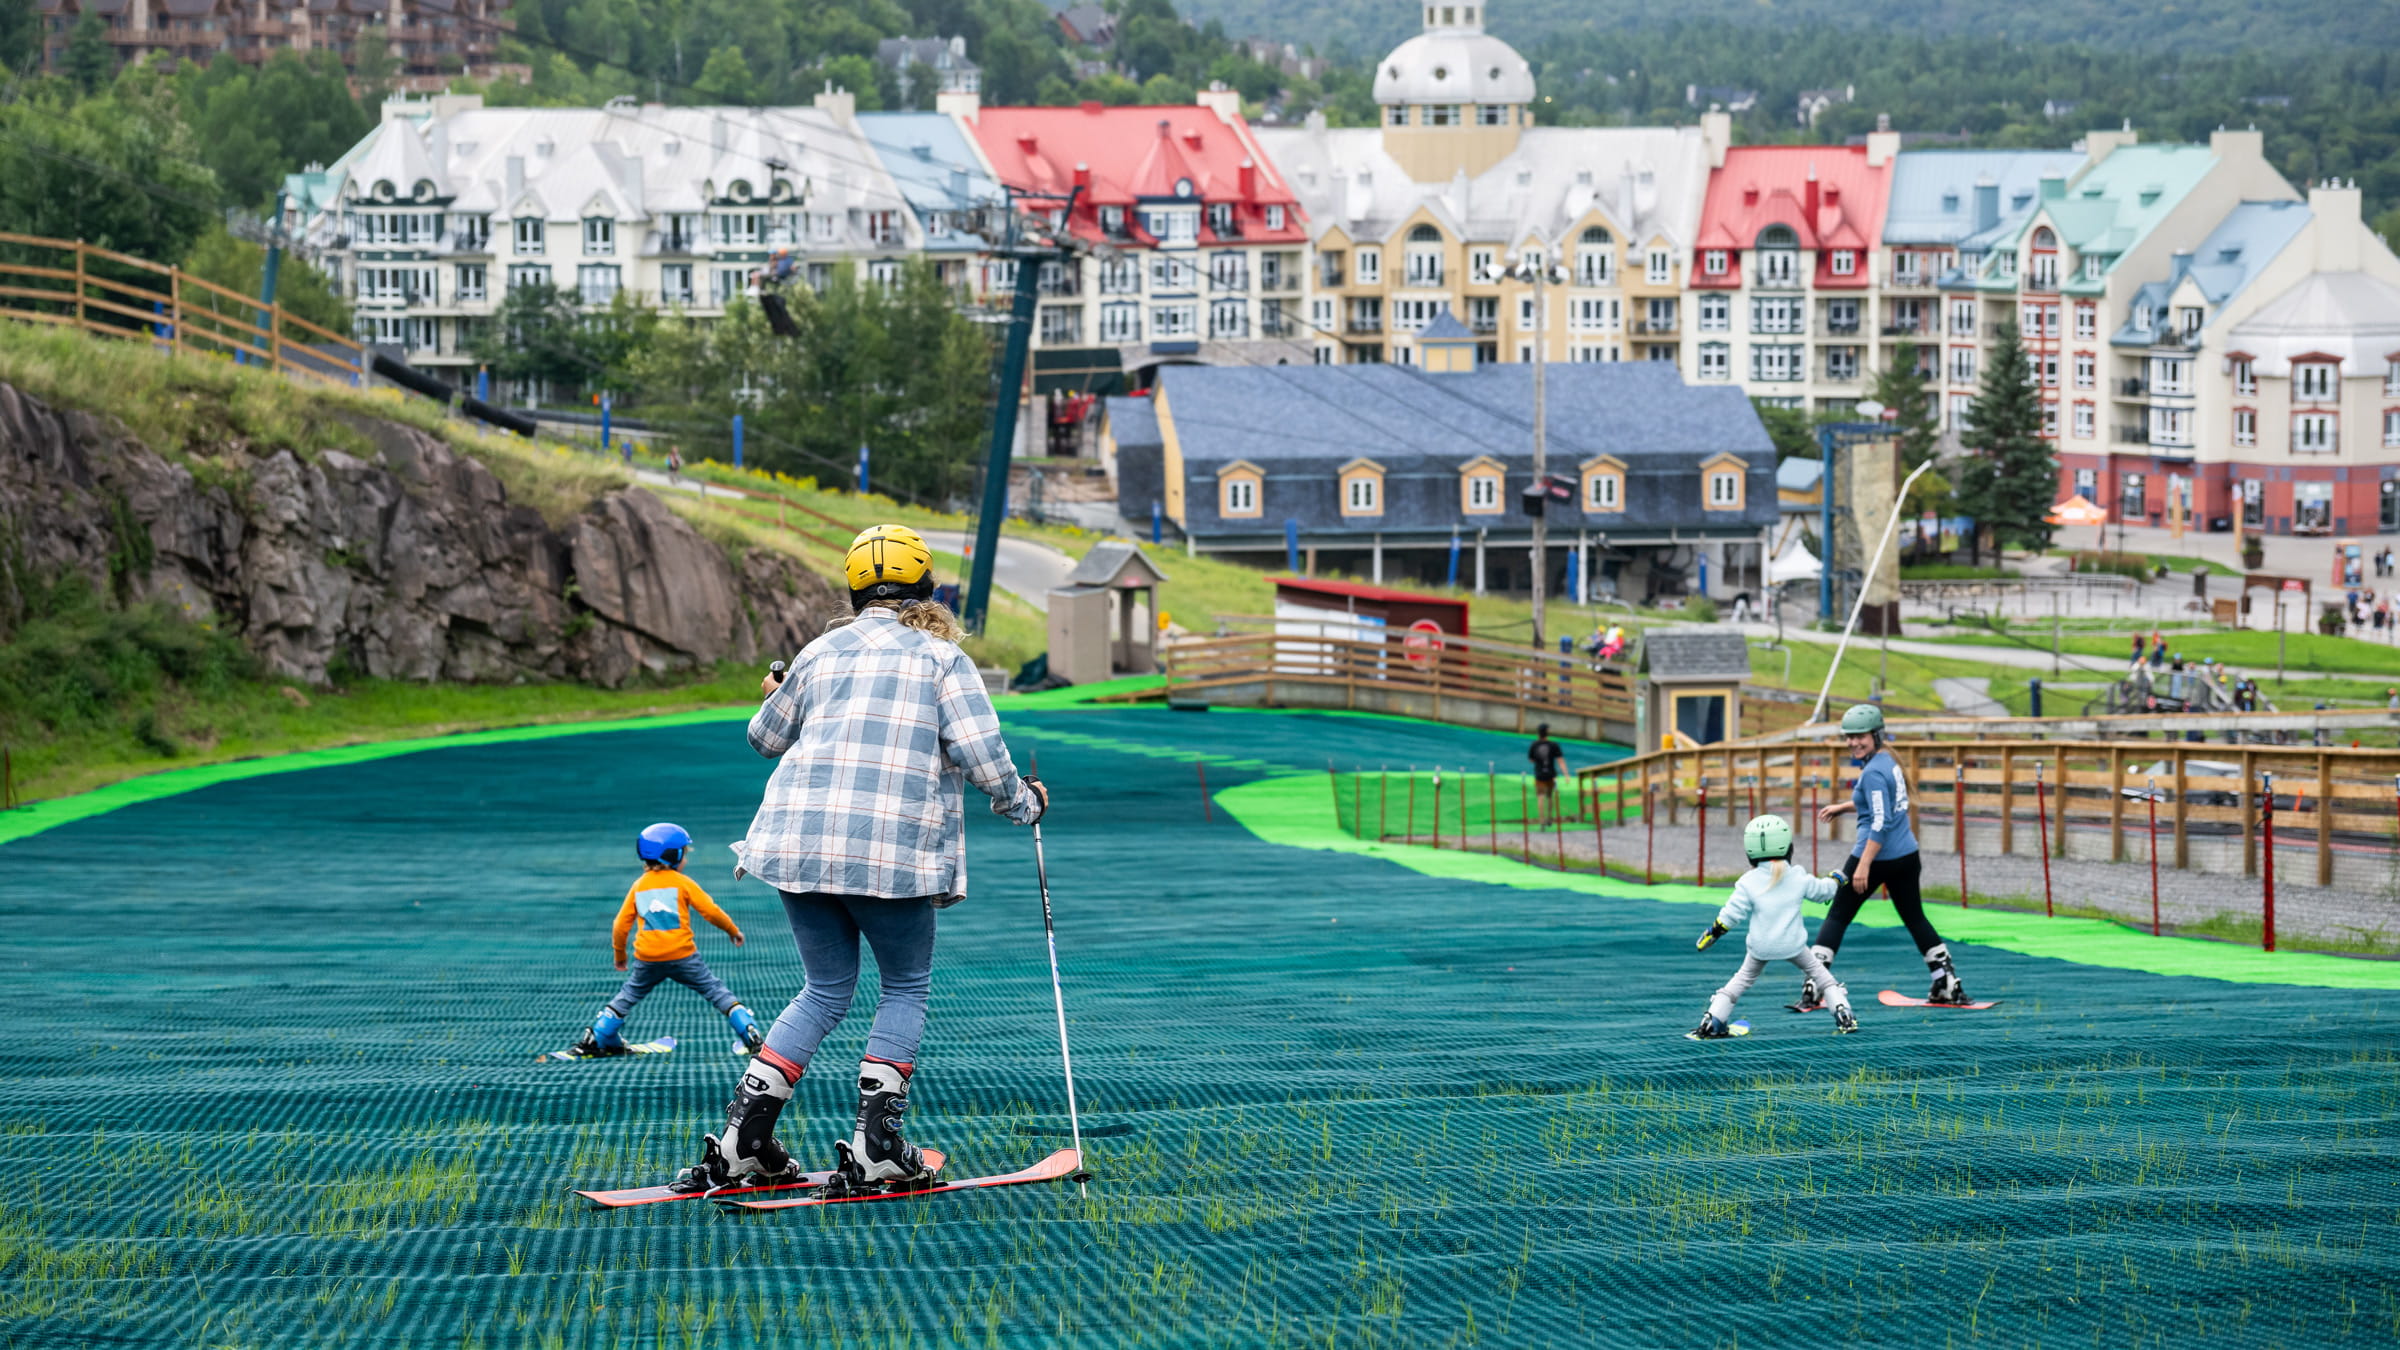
{"type": "Point", "coordinates": [1882, 143]}
{"type": "Point", "coordinates": [2248, 145]}
{"type": "Point", "coordinates": [1987, 203]}
{"type": "Point", "coordinates": [2098, 145]}
{"type": "Point", "coordinates": [2336, 221]}
{"type": "Point", "coordinates": [840, 103]}
{"type": "Point", "coordinates": [633, 184]}
{"type": "Point", "coordinates": [1808, 199]}
{"type": "Point", "coordinates": [1083, 174]}
{"type": "Point", "coordinates": [964, 104]}
{"type": "Point", "coordinates": [515, 179]}
{"type": "Point", "coordinates": [1716, 134]}
{"type": "Point", "coordinates": [1225, 103]}
{"type": "Point", "coordinates": [1249, 178]}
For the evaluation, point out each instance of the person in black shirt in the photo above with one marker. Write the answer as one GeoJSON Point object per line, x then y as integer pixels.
{"type": "Point", "coordinates": [1548, 760]}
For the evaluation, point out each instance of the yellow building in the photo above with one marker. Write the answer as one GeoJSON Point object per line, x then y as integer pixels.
{"type": "Point", "coordinates": [1430, 212]}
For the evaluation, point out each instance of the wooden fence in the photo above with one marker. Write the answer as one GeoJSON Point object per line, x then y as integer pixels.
{"type": "Point", "coordinates": [1481, 684]}
{"type": "Point", "coordinates": [2093, 786]}
{"type": "Point", "coordinates": [76, 285]}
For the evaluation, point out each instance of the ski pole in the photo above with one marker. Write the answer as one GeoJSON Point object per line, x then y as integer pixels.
{"type": "Point", "coordinates": [1041, 871]}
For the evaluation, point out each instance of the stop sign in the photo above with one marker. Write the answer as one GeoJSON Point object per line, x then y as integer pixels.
{"type": "Point", "coordinates": [1423, 643]}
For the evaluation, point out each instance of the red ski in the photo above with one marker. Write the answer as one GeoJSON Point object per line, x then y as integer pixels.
{"type": "Point", "coordinates": [1063, 1163]}
{"type": "Point", "coordinates": [651, 1195]}
{"type": "Point", "coordinates": [1894, 999]}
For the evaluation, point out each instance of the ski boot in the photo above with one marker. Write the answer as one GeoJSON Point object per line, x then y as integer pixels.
{"type": "Point", "coordinates": [1812, 996]}
{"type": "Point", "coordinates": [602, 1036]}
{"type": "Point", "coordinates": [1711, 1028]}
{"type": "Point", "coordinates": [877, 1157]}
{"type": "Point", "coordinates": [747, 1153]}
{"type": "Point", "coordinates": [1946, 987]}
{"type": "Point", "coordinates": [1844, 1020]}
{"type": "Point", "coordinates": [745, 1028]}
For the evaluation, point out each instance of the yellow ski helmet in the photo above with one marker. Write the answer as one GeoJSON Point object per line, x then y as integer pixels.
{"type": "Point", "coordinates": [888, 562]}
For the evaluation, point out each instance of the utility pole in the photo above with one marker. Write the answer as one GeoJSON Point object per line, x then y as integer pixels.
{"type": "Point", "coordinates": [1537, 268]}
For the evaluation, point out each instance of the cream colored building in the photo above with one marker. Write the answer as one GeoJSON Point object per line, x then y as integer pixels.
{"type": "Point", "coordinates": [1426, 213]}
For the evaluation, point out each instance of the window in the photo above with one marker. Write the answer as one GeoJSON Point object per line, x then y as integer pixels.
{"type": "Point", "coordinates": [1525, 311]}
{"type": "Point", "coordinates": [2042, 272]}
{"type": "Point", "coordinates": [1841, 363]}
{"type": "Point", "coordinates": [1179, 225]}
{"type": "Point", "coordinates": [2050, 322]}
{"type": "Point", "coordinates": [1121, 276]}
{"type": "Point", "coordinates": [2245, 377]}
{"type": "Point", "coordinates": [1062, 325]}
{"type": "Point", "coordinates": [597, 283]}
{"type": "Point", "coordinates": [1396, 115]}
{"type": "Point", "coordinates": [1604, 491]}
{"type": "Point", "coordinates": [1120, 323]}
{"type": "Point", "coordinates": [1724, 490]}
{"type": "Point", "coordinates": [1659, 268]}
{"type": "Point", "coordinates": [1845, 262]}
{"type": "Point", "coordinates": [1962, 318]}
{"type": "Point", "coordinates": [2312, 380]}
{"type": "Point", "coordinates": [675, 283]}
{"type": "Point", "coordinates": [2087, 321]}
{"type": "Point", "coordinates": [741, 229]}
{"type": "Point", "coordinates": [2312, 506]}
{"type": "Point", "coordinates": [1441, 114]}
{"type": "Point", "coordinates": [470, 284]}
{"type": "Point", "coordinates": [1841, 316]}
{"type": "Point", "coordinates": [2391, 427]}
{"type": "Point", "coordinates": [1774, 314]}
{"type": "Point", "coordinates": [2254, 512]}
{"type": "Point", "coordinates": [1714, 262]}
{"type": "Point", "coordinates": [1424, 259]}
{"type": "Point", "coordinates": [529, 236]}
{"type": "Point", "coordinates": [2085, 418]}
{"type": "Point", "coordinates": [409, 285]}
{"type": "Point", "coordinates": [1483, 492]}
{"type": "Point", "coordinates": [1366, 314]}
{"type": "Point", "coordinates": [1408, 316]}
{"type": "Point", "coordinates": [1274, 217]}
{"type": "Point", "coordinates": [2387, 515]}
{"type": "Point", "coordinates": [1962, 365]}
{"type": "Point", "coordinates": [1595, 259]}
{"type": "Point", "coordinates": [2050, 421]}
{"type": "Point", "coordinates": [1592, 354]}
{"type": "Point", "coordinates": [2170, 375]}
{"type": "Point", "coordinates": [724, 283]}
{"type": "Point", "coordinates": [2093, 266]}
{"type": "Point", "coordinates": [1595, 315]}
{"type": "Point", "coordinates": [1229, 271]}
{"type": "Point", "coordinates": [1776, 363]}
{"type": "Point", "coordinates": [528, 274]}
{"type": "Point", "coordinates": [2129, 498]}
{"type": "Point", "coordinates": [1171, 273]}
{"type": "Point", "coordinates": [2312, 434]}
{"type": "Point", "coordinates": [2087, 484]}
{"type": "Point", "coordinates": [2087, 370]}
{"type": "Point", "coordinates": [1962, 411]}
{"type": "Point", "coordinates": [2245, 426]}
{"type": "Point", "coordinates": [1174, 321]}
{"type": "Point", "coordinates": [2171, 427]}
{"type": "Point", "coordinates": [1370, 266]}
{"type": "Point", "coordinates": [1240, 497]}
{"type": "Point", "coordinates": [1361, 494]}
{"type": "Point", "coordinates": [1491, 114]}
{"type": "Point", "coordinates": [1483, 313]}
{"type": "Point", "coordinates": [471, 234]}
{"type": "Point", "coordinates": [2391, 378]}
{"type": "Point", "coordinates": [886, 272]}
{"type": "Point", "coordinates": [1716, 312]}
{"type": "Point", "coordinates": [1778, 257]}
{"type": "Point", "coordinates": [599, 235]}
{"type": "Point", "coordinates": [1482, 265]}
{"type": "Point", "coordinates": [2187, 319]}
{"type": "Point", "coordinates": [1716, 361]}
{"type": "Point", "coordinates": [2046, 370]}
{"type": "Point", "coordinates": [1228, 319]}
{"type": "Point", "coordinates": [1220, 219]}
{"type": "Point", "coordinates": [1320, 314]}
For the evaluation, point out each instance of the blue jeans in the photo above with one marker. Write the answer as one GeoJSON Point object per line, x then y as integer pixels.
{"type": "Point", "coordinates": [690, 972]}
{"type": "Point", "coordinates": [828, 928]}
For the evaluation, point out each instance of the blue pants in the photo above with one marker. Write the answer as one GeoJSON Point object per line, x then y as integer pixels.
{"type": "Point", "coordinates": [690, 972]}
{"type": "Point", "coordinates": [828, 928]}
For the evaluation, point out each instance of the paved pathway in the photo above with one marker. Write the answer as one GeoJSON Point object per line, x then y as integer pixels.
{"type": "Point", "coordinates": [1969, 698]}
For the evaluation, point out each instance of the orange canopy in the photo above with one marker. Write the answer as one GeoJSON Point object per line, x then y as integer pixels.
{"type": "Point", "coordinates": [2076, 510]}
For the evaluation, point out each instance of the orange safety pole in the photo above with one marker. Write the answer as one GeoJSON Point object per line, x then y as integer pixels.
{"type": "Point", "coordinates": [2266, 821]}
{"type": "Point", "coordinates": [1701, 826]}
{"type": "Point", "coordinates": [2041, 813]}
{"type": "Point", "coordinates": [1650, 823]}
{"type": "Point", "coordinates": [1205, 814]}
{"type": "Point", "coordinates": [2153, 857]}
{"type": "Point", "coordinates": [1958, 815]}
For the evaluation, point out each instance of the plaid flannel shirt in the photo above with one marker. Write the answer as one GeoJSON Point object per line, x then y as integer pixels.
{"type": "Point", "coordinates": [876, 726]}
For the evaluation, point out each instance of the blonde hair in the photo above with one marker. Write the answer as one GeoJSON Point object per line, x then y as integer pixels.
{"type": "Point", "coordinates": [930, 617]}
{"type": "Point", "coordinates": [1775, 871]}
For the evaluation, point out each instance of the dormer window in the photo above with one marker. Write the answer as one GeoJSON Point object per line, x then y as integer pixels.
{"type": "Point", "coordinates": [2313, 380]}
{"type": "Point", "coordinates": [1362, 488]}
{"type": "Point", "coordinates": [1274, 217]}
{"type": "Point", "coordinates": [1238, 490]}
{"type": "Point", "coordinates": [2093, 266]}
{"type": "Point", "coordinates": [599, 235]}
{"type": "Point", "coordinates": [1659, 268]}
{"type": "Point", "coordinates": [1603, 484]}
{"type": "Point", "coordinates": [1112, 220]}
{"type": "Point", "coordinates": [529, 235]}
{"type": "Point", "coordinates": [1845, 262]}
{"type": "Point", "coordinates": [1595, 258]}
{"type": "Point", "coordinates": [1714, 262]}
{"type": "Point", "coordinates": [1723, 478]}
{"type": "Point", "coordinates": [1778, 256]}
{"type": "Point", "coordinates": [2187, 319]}
{"type": "Point", "coordinates": [1220, 218]}
{"type": "Point", "coordinates": [2245, 376]}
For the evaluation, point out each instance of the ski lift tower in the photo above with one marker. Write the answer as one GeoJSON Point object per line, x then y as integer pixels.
{"type": "Point", "coordinates": [1036, 231]}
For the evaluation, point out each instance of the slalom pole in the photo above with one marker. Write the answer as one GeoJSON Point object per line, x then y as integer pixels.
{"type": "Point", "coordinates": [1058, 997]}
{"type": "Point", "coordinates": [1437, 807]}
{"type": "Point", "coordinates": [1383, 804]}
{"type": "Point", "coordinates": [2267, 824]}
{"type": "Point", "coordinates": [1524, 819]}
{"type": "Point", "coordinates": [1650, 827]}
{"type": "Point", "coordinates": [2153, 857]}
{"type": "Point", "coordinates": [1700, 826]}
{"type": "Point", "coordinates": [1408, 832]}
{"type": "Point", "coordinates": [1958, 813]}
{"type": "Point", "coordinates": [1816, 827]}
{"type": "Point", "coordinates": [1209, 817]}
{"type": "Point", "coordinates": [1599, 833]}
{"type": "Point", "coordinates": [1491, 793]}
{"type": "Point", "coordinates": [2041, 815]}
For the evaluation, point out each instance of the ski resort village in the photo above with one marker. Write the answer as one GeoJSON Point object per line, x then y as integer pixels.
{"type": "Point", "coordinates": [1341, 673]}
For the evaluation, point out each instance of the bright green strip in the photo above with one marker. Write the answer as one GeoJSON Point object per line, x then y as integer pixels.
{"type": "Point", "coordinates": [1078, 697]}
{"type": "Point", "coordinates": [1292, 812]}
{"type": "Point", "coordinates": [47, 815]}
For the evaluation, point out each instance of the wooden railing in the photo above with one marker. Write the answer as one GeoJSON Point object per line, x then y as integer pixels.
{"type": "Point", "coordinates": [77, 285]}
{"type": "Point", "coordinates": [2088, 786]}
{"type": "Point", "coordinates": [1458, 671]}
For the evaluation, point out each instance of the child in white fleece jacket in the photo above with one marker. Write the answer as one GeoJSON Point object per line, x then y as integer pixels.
{"type": "Point", "coordinates": [1768, 896]}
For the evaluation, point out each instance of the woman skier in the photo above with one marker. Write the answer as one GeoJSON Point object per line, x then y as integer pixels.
{"type": "Point", "coordinates": [1769, 896]}
{"type": "Point", "coordinates": [1886, 857]}
{"type": "Point", "coordinates": [876, 726]}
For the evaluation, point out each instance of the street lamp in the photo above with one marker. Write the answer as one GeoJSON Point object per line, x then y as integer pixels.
{"type": "Point", "coordinates": [1537, 268]}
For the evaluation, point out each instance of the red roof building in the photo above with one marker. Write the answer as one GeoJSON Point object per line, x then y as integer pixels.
{"type": "Point", "coordinates": [1830, 197]}
{"type": "Point", "coordinates": [1210, 239]}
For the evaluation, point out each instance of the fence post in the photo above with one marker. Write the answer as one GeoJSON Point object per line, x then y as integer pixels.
{"type": "Point", "coordinates": [1524, 820]}
{"type": "Point", "coordinates": [1814, 829]}
{"type": "Point", "coordinates": [1674, 796]}
{"type": "Point", "coordinates": [81, 322]}
{"type": "Point", "coordinates": [1437, 807]}
{"type": "Point", "coordinates": [1701, 828]}
{"type": "Point", "coordinates": [1650, 823]}
{"type": "Point", "coordinates": [1600, 829]}
{"type": "Point", "coordinates": [1491, 796]}
{"type": "Point", "coordinates": [1958, 816]}
{"type": "Point", "coordinates": [2116, 803]}
{"type": "Point", "coordinates": [1383, 804]}
{"type": "Point", "coordinates": [2249, 797]}
{"type": "Point", "coordinates": [2008, 800]}
{"type": "Point", "coordinates": [1408, 831]}
{"type": "Point", "coordinates": [1558, 835]}
{"type": "Point", "coordinates": [1732, 798]}
{"type": "Point", "coordinates": [2266, 826]}
{"type": "Point", "coordinates": [2324, 819]}
{"type": "Point", "coordinates": [2042, 818]}
{"type": "Point", "coordinates": [2153, 857]}
{"type": "Point", "coordinates": [2183, 840]}
{"type": "Point", "coordinates": [737, 440]}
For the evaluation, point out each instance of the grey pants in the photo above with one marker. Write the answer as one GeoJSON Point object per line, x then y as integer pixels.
{"type": "Point", "coordinates": [690, 972]}
{"type": "Point", "coordinates": [1720, 1005]}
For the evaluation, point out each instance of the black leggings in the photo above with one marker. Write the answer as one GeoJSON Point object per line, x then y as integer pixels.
{"type": "Point", "coordinates": [1898, 879]}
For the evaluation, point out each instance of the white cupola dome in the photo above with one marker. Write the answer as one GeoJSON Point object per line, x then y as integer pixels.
{"type": "Point", "coordinates": [1454, 61]}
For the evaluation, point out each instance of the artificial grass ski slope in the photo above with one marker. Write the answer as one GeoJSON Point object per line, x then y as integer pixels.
{"type": "Point", "coordinates": [270, 1082]}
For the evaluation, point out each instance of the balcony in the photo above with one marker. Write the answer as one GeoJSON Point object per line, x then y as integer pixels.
{"type": "Point", "coordinates": [1909, 281]}
{"type": "Point", "coordinates": [2175, 342]}
{"type": "Point", "coordinates": [1651, 328]}
{"type": "Point", "coordinates": [2330, 445]}
{"type": "Point", "coordinates": [2125, 435]}
{"type": "Point", "coordinates": [1483, 324]}
{"type": "Point", "coordinates": [1364, 325]}
{"type": "Point", "coordinates": [1921, 328]}
{"type": "Point", "coordinates": [1278, 281]}
{"type": "Point", "coordinates": [1844, 328]}
{"type": "Point", "coordinates": [1274, 323]}
{"type": "Point", "coordinates": [1230, 279]}
{"type": "Point", "coordinates": [1329, 270]}
{"type": "Point", "coordinates": [1839, 375]}
{"type": "Point", "coordinates": [2133, 386]}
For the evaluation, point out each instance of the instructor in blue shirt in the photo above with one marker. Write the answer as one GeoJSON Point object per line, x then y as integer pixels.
{"type": "Point", "coordinates": [1886, 858]}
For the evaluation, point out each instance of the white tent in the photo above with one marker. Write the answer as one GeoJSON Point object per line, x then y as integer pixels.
{"type": "Point", "coordinates": [1792, 560]}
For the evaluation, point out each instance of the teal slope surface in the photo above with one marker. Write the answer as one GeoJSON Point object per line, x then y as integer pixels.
{"type": "Point", "coordinates": [270, 1081]}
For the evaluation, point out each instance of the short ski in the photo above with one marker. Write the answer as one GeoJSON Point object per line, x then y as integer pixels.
{"type": "Point", "coordinates": [1061, 1164]}
{"type": "Point", "coordinates": [1806, 1007]}
{"type": "Point", "coordinates": [1741, 1028]}
{"type": "Point", "coordinates": [651, 1195]}
{"type": "Point", "coordinates": [1894, 999]}
{"type": "Point", "coordinates": [658, 1047]}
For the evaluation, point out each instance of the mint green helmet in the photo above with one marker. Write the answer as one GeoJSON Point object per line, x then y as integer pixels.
{"type": "Point", "coordinates": [1862, 719]}
{"type": "Point", "coordinates": [1767, 837]}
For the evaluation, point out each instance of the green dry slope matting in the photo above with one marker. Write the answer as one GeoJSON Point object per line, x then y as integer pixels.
{"type": "Point", "coordinates": [269, 1081]}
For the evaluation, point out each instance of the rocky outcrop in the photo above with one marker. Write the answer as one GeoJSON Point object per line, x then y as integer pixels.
{"type": "Point", "coordinates": [409, 564]}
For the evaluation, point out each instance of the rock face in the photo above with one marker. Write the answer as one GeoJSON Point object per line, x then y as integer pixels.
{"type": "Point", "coordinates": [410, 565]}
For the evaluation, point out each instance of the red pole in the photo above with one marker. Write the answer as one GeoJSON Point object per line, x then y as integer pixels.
{"type": "Point", "coordinates": [1409, 830]}
{"type": "Point", "coordinates": [1558, 832]}
{"type": "Point", "coordinates": [1463, 845]}
{"type": "Point", "coordinates": [1524, 819]}
{"type": "Point", "coordinates": [1205, 813]}
{"type": "Point", "coordinates": [1358, 816]}
{"type": "Point", "coordinates": [2153, 857]}
{"type": "Point", "coordinates": [1383, 804]}
{"type": "Point", "coordinates": [2267, 824]}
{"type": "Point", "coordinates": [1958, 811]}
{"type": "Point", "coordinates": [1650, 824]}
{"type": "Point", "coordinates": [1700, 827]}
{"type": "Point", "coordinates": [2041, 814]}
{"type": "Point", "coordinates": [1491, 793]}
{"type": "Point", "coordinates": [1813, 829]}
{"type": "Point", "coordinates": [1437, 808]}
{"type": "Point", "coordinates": [1600, 831]}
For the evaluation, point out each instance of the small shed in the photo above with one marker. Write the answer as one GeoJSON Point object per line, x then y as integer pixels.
{"type": "Point", "coordinates": [1341, 608]}
{"type": "Point", "coordinates": [1692, 684]}
{"type": "Point", "coordinates": [1098, 601]}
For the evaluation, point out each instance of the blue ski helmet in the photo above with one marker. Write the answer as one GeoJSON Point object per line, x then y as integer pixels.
{"type": "Point", "coordinates": [663, 843]}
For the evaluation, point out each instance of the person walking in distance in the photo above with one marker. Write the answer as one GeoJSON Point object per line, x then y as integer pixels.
{"type": "Point", "coordinates": [876, 729]}
{"type": "Point", "coordinates": [1886, 858]}
{"type": "Point", "coordinates": [1548, 760]}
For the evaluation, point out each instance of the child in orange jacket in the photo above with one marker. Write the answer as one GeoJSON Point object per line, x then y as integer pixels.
{"type": "Point", "coordinates": [660, 906]}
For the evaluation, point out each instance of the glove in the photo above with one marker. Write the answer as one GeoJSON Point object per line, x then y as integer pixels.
{"type": "Point", "coordinates": [1041, 800]}
{"type": "Point", "coordinates": [1715, 931]}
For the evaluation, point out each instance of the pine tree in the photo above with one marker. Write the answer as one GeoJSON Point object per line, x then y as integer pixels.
{"type": "Point", "coordinates": [2009, 482]}
{"type": "Point", "coordinates": [1908, 405]}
